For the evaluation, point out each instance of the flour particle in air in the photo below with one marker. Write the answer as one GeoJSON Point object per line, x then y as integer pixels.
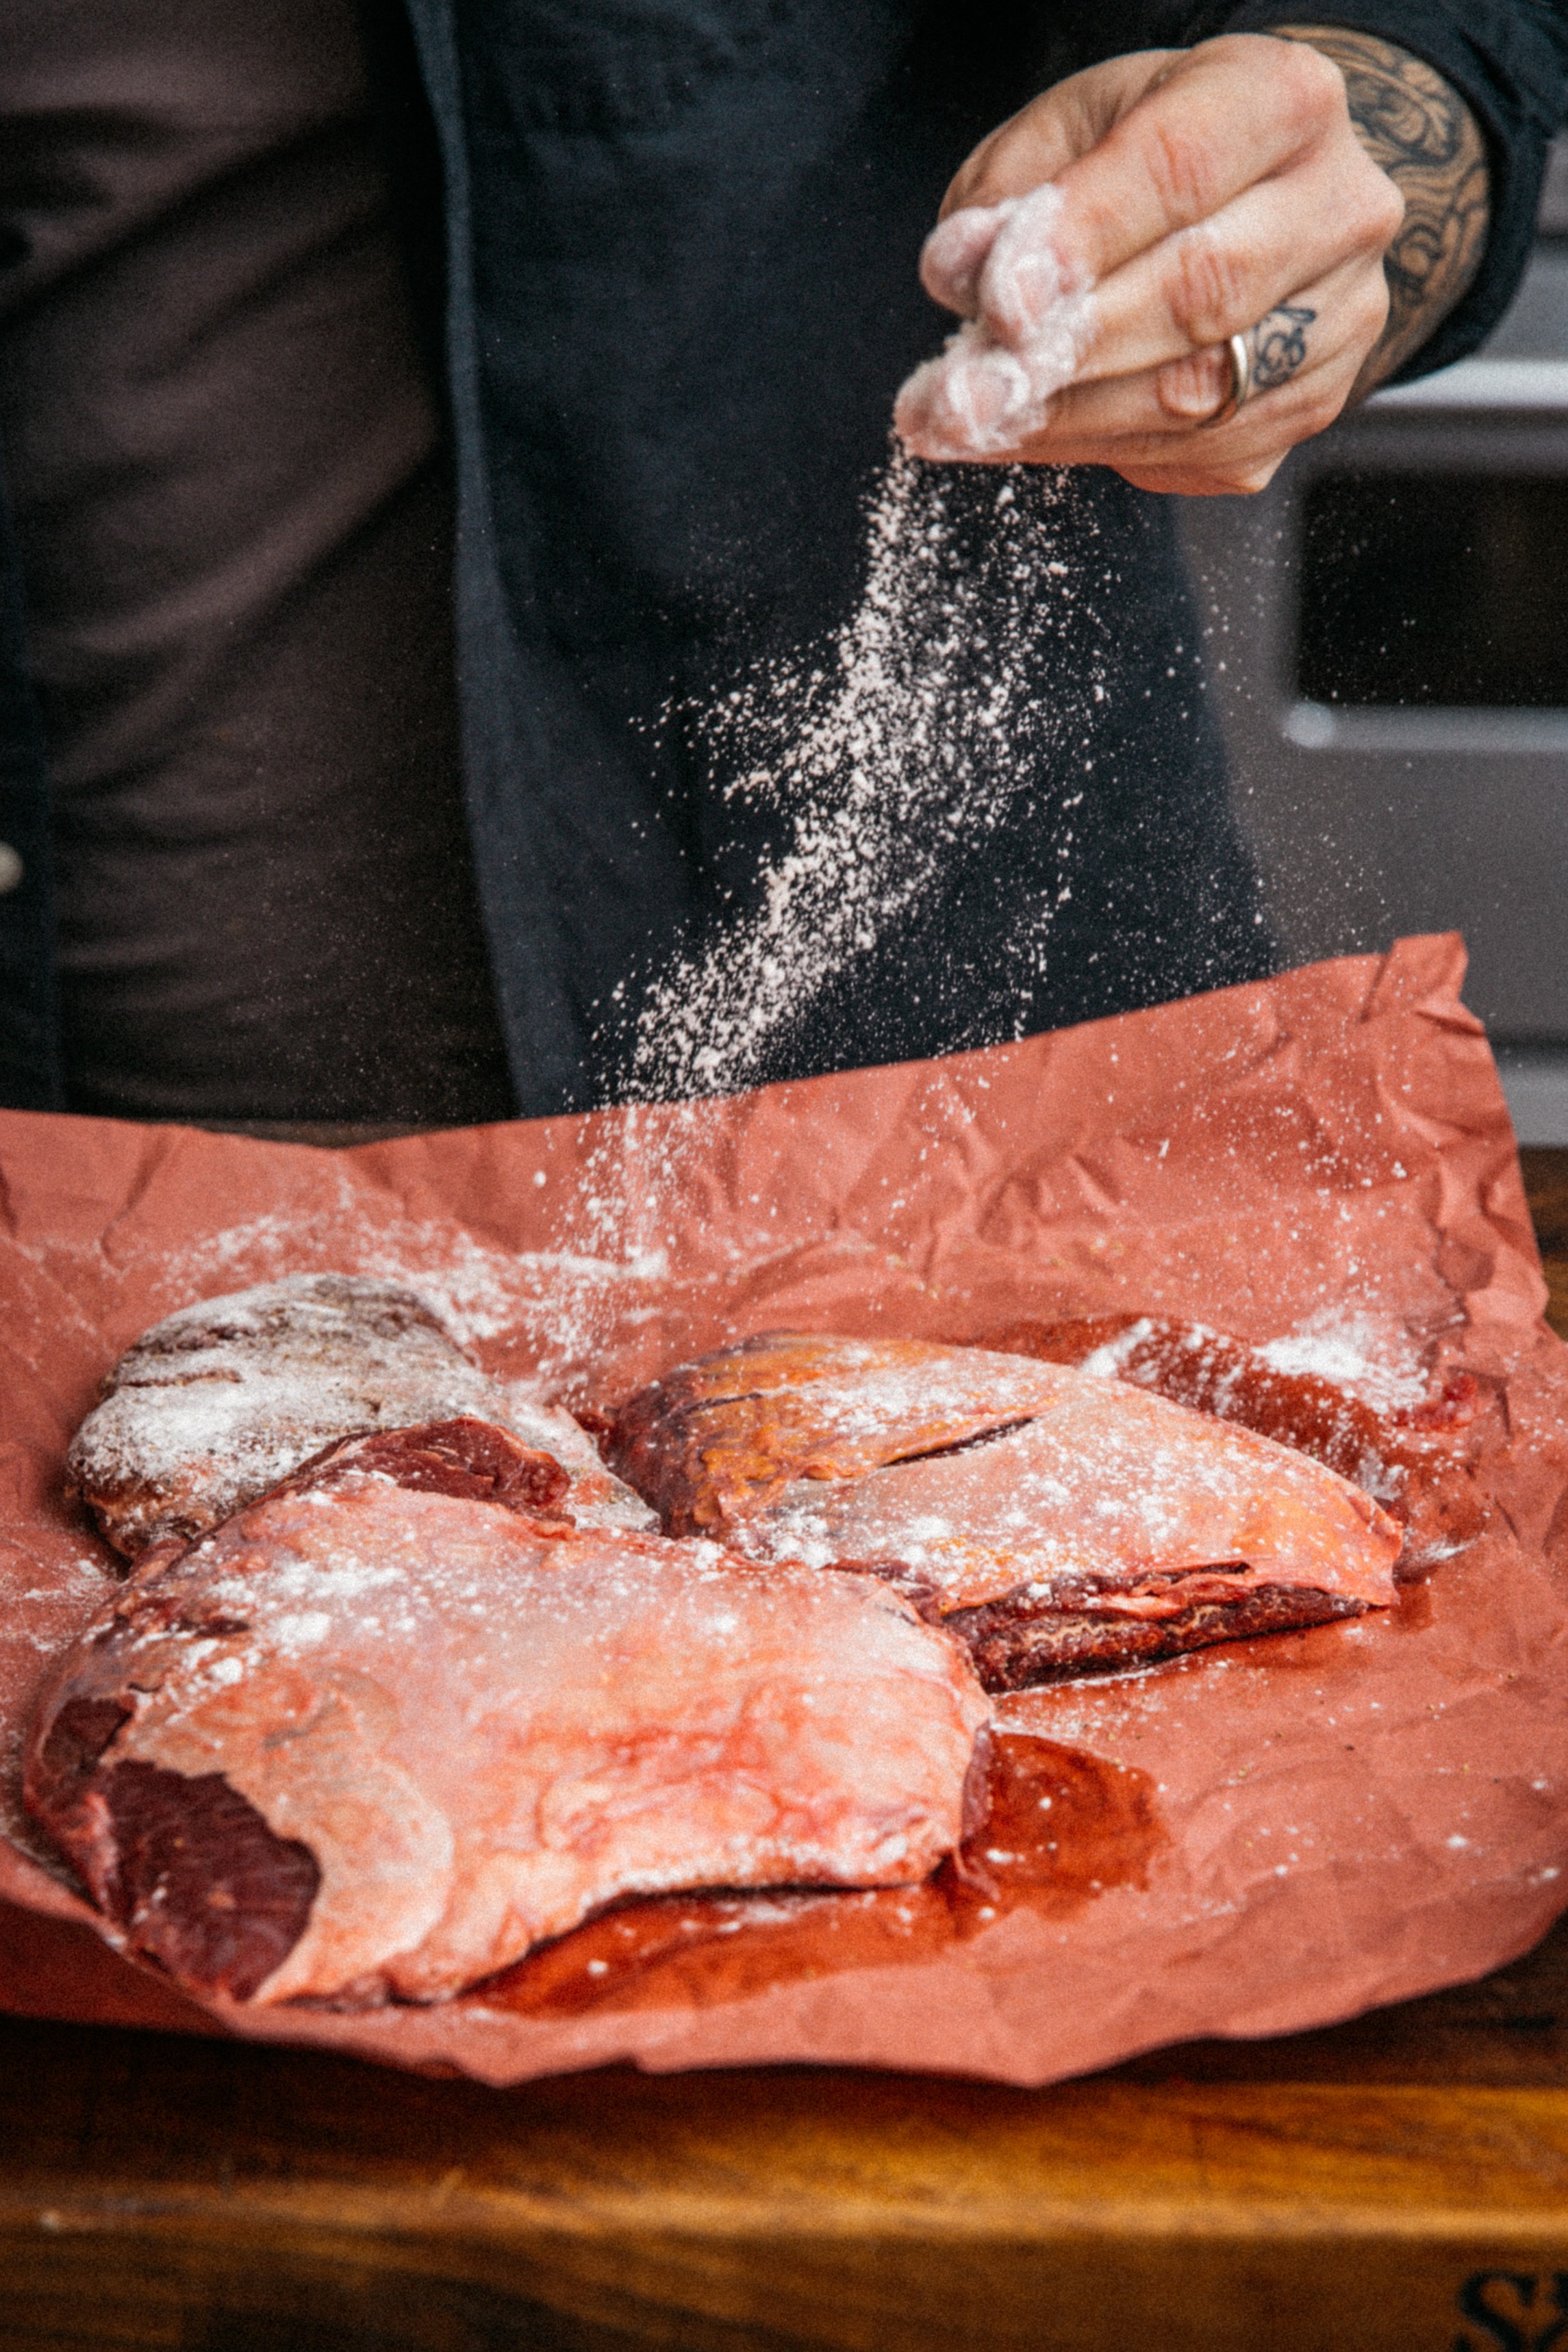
{"type": "Point", "coordinates": [935, 714]}
{"type": "Point", "coordinates": [935, 718]}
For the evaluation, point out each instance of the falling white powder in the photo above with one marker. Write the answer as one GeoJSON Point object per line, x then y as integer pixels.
{"type": "Point", "coordinates": [922, 729]}
{"type": "Point", "coordinates": [932, 720]}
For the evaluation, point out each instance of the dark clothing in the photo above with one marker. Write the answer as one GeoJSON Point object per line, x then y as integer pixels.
{"type": "Point", "coordinates": [677, 319]}
{"type": "Point", "coordinates": [1509, 61]}
{"type": "Point", "coordinates": [680, 293]}
{"type": "Point", "coordinates": [235, 515]}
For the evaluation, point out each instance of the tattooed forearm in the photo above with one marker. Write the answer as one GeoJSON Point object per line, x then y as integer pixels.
{"type": "Point", "coordinates": [1424, 137]}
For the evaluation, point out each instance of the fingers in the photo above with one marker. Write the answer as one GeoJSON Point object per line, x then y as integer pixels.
{"type": "Point", "coordinates": [1222, 117]}
{"type": "Point", "coordinates": [954, 254]}
{"type": "Point", "coordinates": [1156, 428]}
{"type": "Point", "coordinates": [1148, 144]}
{"type": "Point", "coordinates": [1020, 158]}
{"type": "Point", "coordinates": [1206, 189]}
{"type": "Point", "coordinates": [1002, 262]}
{"type": "Point", "coordinates": [1026, 275]}
{"type": "Point", "coordinates": [1216, 278]}
{"type": "Point", "coordinates": [1054, 129]}
{"type": "Point", "coordinates": [992, 387]}
{"type": "Point", "coordinates": [1066, 375]}
{"type": "Point", "coordinates": [981, 400]}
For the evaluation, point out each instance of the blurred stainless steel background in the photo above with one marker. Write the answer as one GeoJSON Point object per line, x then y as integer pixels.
{"type": "Point", "coordinates": [1388, 639]}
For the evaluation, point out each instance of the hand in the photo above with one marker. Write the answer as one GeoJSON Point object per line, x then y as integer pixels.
{"type": "Point", "coordinates": [1105, 244]}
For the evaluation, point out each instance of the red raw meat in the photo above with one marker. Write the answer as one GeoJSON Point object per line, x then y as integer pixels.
{"type": "Point", "coordinates": [713, 1440]}
{"type": "Point", "coordinates": [210, 1408]}
{"type": "Point", "coordinates": [1055, 1521]}
{"type": "Point", "coordinates": [465, 1457]}
{"type": "Point", "coordinates": [373, 1736]}
{"type": "Point", "coordinates": [1417, 1463]}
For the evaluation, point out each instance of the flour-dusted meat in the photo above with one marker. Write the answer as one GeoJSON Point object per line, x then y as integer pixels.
{"type": "Point", "coordinates": [597, 1498]}
{"type": "Point", "coordinates": [1416, 1462]}
{"type": "Point", "coordinates": [1056, 1521]}
{"type": "Point", "coordinates": [371, 1738]}
{"type": "Point", "coordinates": [713, 1440]}
{"type": "Point", "coordinates": [216, 1404]}
{"type": "Point", "coordinates": [1115, 1528]}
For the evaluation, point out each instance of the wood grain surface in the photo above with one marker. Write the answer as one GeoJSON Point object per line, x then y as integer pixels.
{"type": "Point", "coordinates": [1399, 2184]}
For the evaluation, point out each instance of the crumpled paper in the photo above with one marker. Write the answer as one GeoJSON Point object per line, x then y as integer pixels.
{"type": "Point", "coordinates": [1256, 1839]}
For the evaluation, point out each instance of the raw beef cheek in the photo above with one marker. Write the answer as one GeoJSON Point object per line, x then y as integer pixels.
{"type": "Point", "coordinates": [1417, 1463]}
{"type": "Point", "coordinates": [1114, 1528]}
{"type": "Point", "coordinates": [212, 1407]}
{"type": "Point", "coordinates": [464, 1456]}
{"type": "Point", "coordinates": [1057, 1522]}
{"type": "Point", "coordinates": [1110, 1483]}
{"type": "Point", "coordinates": [362, 1740]}
{"type": "Point", "coordinates": [186, 1867]}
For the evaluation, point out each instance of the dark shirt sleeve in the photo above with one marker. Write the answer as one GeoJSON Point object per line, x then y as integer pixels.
{"type": "Point", "coordinates": [1509, 61]}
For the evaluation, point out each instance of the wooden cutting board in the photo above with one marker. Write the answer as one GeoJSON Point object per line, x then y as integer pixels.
{"type": "Point", "coordinates": [1399, 2184]}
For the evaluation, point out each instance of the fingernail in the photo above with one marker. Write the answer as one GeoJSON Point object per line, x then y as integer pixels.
{"type": "Point", "coordinates": [1195, 386]}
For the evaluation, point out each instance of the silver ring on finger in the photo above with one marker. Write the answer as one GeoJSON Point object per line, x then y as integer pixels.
{"type": "Point", "coordinates": [1239, 348]}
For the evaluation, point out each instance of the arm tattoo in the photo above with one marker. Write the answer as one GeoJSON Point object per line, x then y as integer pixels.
{"type": "Point", "coordinates": [1424, 137]}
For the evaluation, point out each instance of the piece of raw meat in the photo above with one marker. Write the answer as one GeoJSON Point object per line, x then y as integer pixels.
{"type": "Point", "coordinates": [1057, 1522]}
{"type": "Point", "coordinates": [1417, 1463]}
{"type": "Point", "coordinates": [212, 1406]}
{"type": "Point", "coordinates": [373, 1736]}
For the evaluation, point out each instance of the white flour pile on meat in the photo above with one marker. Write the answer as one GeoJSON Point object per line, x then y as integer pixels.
{"type": "Point", "coordinates": [1057, 1522]}
{"type": "Point", "coordinates": [394, 1725]}
{"type": "Point", "coordinates": [216, 1404]}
